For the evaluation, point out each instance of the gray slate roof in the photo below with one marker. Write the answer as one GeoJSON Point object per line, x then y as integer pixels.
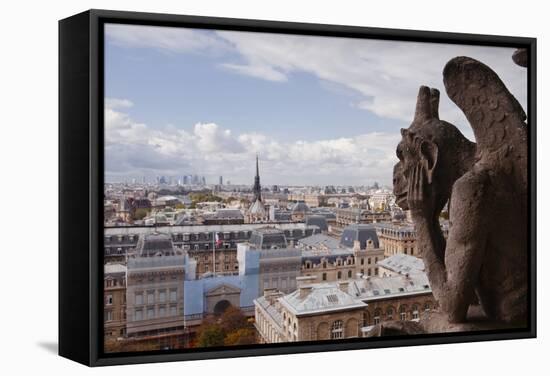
{"type": "Point", "coordinates": [403, 264]}
{"type": "Point", "coordinates": [360, 232]}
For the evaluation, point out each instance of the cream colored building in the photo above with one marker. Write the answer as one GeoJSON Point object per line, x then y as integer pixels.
{"type": "Point", "coordinates": [313, 312]}
{"type": "Point", "coordinates": [339, 310]}
{"type": "Point", "coordinates": [335, 264]}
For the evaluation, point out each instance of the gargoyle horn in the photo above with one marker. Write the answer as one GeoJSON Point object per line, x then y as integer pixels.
{"type": "Point", "coordinates": [427, 104]}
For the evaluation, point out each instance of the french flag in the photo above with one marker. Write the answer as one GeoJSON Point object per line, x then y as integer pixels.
{"type": "Point", "coordinates": [218, 240]}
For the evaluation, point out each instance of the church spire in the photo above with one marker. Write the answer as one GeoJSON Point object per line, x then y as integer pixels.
{"type": "Point", "coordinates": [257, 189]}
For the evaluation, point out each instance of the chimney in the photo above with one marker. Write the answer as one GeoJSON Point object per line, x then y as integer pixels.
{"type": "Point", "coordinates": [272, 294]}
{"type": "Point", "coordinates": [343, 286]}
{"type": "Point", "coordinates": [304, 291]}
{"type": "Point", "coordinates": [305, 280]}
{"type": "Point", "coordinates": [356, 245]}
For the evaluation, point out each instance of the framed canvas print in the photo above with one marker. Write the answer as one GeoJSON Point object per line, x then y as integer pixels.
{"type": "Point", "coordinates": [235, 187]}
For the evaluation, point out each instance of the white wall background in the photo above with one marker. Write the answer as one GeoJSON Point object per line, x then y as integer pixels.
{"type": "Point", "coordinates": [28, 147]}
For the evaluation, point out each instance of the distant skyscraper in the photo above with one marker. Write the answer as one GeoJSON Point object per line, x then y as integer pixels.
{"type": "Point", "coordinates": [221, 180]}
{"type": "Point", "coordinates": [203, 180]}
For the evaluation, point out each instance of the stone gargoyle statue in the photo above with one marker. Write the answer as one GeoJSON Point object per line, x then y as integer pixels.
{"type": "Point", "coordinates": [478, 274]}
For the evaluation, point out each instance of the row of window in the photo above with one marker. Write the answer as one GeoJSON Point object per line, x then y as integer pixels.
{"type": "Point", "coordinates": [402, 313]}
{"type": "Point", "coordinates": [155, 296]}
{"type": "Point", "coordinates": [109, 316]}
{"type": "Point", "coordinates": [153, 312]}
{"type": "Point", "coordinates": [350, 273]}
{"type": "Point", "coordinates": [157, 278]}
{"type": "Point", "coordinates": [242, 235]}
{"type": "Point", "coordinates": [278, 283]}
{"type": "Point", "coordinates": [226, 267]}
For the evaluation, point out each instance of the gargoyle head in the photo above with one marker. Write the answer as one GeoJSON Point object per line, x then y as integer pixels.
{"type": "Point", "coordinates": [439, 147]}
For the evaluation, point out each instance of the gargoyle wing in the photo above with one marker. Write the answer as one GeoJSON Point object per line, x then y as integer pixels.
{"type": "Point", "coordinates": [495, 115]}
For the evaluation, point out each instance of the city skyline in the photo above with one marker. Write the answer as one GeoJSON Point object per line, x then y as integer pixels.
{"type": "Point", "coordinates": [318, 110]}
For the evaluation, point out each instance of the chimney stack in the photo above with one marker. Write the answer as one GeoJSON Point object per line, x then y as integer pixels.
{"type": "Point", "coordinates": [343, 286]}
{"type": "Point", "coordinates": [304, 291]}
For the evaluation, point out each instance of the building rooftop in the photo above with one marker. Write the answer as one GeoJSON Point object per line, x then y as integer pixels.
{"type": "Point", "coordinates": [227, 214]}
{"type": "Point", "coordinates": [375, 288]}
{"type": "Point", "coordinates": [112, 268]}
{"type": "Point", "coordinates": [317, 220]}
{"type": "Point", "coordinates": [403, 264]}
{"type": "Point", "coordinates": [155, 244]}
{"type": "Point", "coordinates": [257, 209]}
{"type": "Point", "coordinates": [361, 233]}
{"type": "Point", "coordinates": [266, 238]}
{"type": "Point", "coordinates": [317, 298]}
{"type": "Point", "coordinates": [183, 229]}
{"type": "Point", "coordinates": [319, 241]}
{"type": "Point", "coordinates": [300, 207]}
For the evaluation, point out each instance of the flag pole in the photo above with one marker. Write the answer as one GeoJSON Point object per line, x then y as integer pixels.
{"type": "Point", "coordinates": [214, 253]}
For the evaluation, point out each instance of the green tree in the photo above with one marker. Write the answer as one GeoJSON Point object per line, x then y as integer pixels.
{"type": "Point", "coordinates": [211, 335]}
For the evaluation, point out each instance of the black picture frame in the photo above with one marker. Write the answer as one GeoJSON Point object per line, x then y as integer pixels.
{"type": "Point", "coordinates": [81, 184]}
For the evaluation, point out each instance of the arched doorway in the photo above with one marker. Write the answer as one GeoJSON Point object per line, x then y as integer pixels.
{"type": "Point", "coordinates": [221, 307]}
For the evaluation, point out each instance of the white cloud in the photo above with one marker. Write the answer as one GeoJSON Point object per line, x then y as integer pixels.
{"type": "Point", "coordinates": [259, 71]}
{"type": "Point", "coordinates": [135, 149]}
{"type": "Point", "coordinates": [171, 39]}
{"type": "Point", "coordinates": [118, 103]}
{"type": "Point", "coordinates": [387, 74]}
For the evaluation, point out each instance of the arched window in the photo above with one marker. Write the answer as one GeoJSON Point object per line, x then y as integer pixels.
{"type": "Point", "coordinates": [403, 313]}
{"type": "Point", "coordinates": [366, 318]}
{"type": "Point", "coordinates": [415, 312]}
{"type": "Point", "coordinates": [389, 314]}
{"type": "Point", "coordinates": [339, 274]}
{"type": "Point", "coordinates": [377, 313]}
{"type": "Point", "coordinates": [427, 306]}
{"type": "Point", "coordinates": [337, 330]}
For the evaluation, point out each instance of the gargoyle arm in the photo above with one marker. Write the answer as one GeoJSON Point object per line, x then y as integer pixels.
{"type": "Point", "coordinates": [454, 276]}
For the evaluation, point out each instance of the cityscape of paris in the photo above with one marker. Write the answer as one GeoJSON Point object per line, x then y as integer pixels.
{"type": "Point", "coordinates": [248, 194]}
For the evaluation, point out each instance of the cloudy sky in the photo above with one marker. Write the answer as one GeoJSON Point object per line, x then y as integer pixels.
{"type": "Point", "coordinates": [317, 110]}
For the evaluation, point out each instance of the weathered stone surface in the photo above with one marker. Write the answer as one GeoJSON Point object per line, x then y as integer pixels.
{"type": "Point", "coordinates": [484, 258]}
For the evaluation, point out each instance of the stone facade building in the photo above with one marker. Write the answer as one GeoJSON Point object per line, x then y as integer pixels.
{"type": "Point", "coordinates": [313, 312]}
{"type": "Point", "coordinates": [400, 238]}
{"type": "Point", "coordinates": [198, 241]}
{"type": "Point", "coordinates": [349, 216]}
{"type": "Point", "coordinates": [154, 295]}
{"type": "Point", "coordinates": [338, 310]}
{"type": "Point", "coordinates": [341, 263]}
{"type": "Point", "coordinates": [114, 301]}
{"type": "Point", "coordinates": [397, 239]}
